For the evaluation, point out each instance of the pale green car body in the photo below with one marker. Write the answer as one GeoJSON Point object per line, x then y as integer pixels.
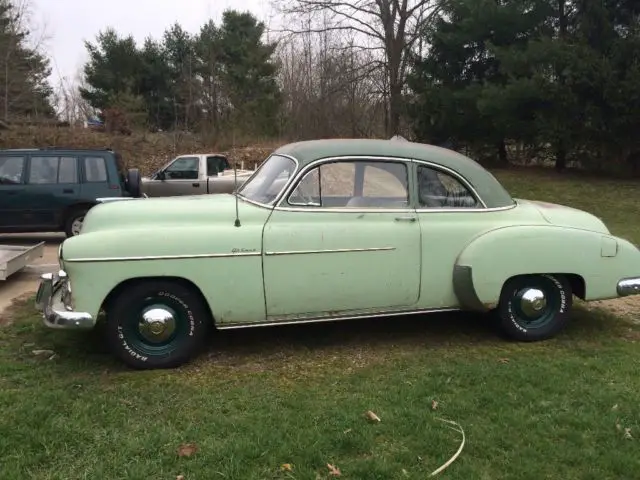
{"type": "Point", "coordinates": [291, 263]}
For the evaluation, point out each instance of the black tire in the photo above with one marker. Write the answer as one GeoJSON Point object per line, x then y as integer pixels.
{"type": "Point", "coordinates": [523, 320]}
{"type": "Point", "coordinates": [134, 182]}
{"type": "Point", "coordinates": [191, 322]}
{"type": "Point", "coordinates": [70, 225]}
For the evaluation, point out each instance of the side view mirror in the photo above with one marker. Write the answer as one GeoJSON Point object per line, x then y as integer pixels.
{"type": "Point", "coordinates": [160, 175]}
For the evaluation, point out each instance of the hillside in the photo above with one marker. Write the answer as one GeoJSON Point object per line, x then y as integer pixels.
{"type": "Point", "coordinates": [143, 150]}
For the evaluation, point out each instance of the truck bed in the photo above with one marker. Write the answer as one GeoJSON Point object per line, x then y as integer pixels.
{"type": "Point", "coordinates": [15, 257]}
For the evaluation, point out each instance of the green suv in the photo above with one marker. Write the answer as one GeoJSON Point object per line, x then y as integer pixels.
{"type": "Point", "coordinates": [51, 189]}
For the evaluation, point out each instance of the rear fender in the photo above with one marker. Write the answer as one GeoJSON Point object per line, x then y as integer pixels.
{"type": "Point", "coordinates": [490, 259]}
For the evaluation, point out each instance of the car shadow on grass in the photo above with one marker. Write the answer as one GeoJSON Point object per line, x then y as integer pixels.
{"type": "Point", "coordinates": [374, 337]}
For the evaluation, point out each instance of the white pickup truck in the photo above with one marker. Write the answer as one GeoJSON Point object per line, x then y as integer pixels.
{"type": "Point", "coordinates": [194, 174]}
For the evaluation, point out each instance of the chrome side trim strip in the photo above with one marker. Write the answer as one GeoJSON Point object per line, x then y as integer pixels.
{"type": "Point", "coordinates": [163, 257]}
{"type": "Point", "coordinates": [283, 321]}
{"type": "Point", "coordinates": [336, 250]}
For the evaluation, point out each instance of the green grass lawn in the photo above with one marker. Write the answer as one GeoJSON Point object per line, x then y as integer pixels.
{"type": "Point", "coordinates": [258, 399]}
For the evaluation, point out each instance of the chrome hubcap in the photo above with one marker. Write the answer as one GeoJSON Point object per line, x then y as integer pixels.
{"type": "Point", "coordinates": [533, 302]}
{"type": "Point", "coordinates": [76, 226]}
{"type": "Point", "coordinates": [158, 323]}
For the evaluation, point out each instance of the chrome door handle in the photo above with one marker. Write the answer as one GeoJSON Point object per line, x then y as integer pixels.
{"type": "Point", "coordinates": [405, 219]}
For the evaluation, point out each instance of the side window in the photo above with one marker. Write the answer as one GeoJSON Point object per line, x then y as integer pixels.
{"type": "Point", "coordinates": [183, 168]}
{"type": "Point", "coordinates": [43, 170]}
{"type": "Point", "coordinates": [11, 169]}
{"type": "Point", "coordinates": [68, 170]}
{"type": "Point", "coordinates": [95, 170]}
{"type": "Point", "coordinates": [307, 193]}
{"type": "Point", "coordinates": [354, 184]}
{"type": "Point", "coordinates": [437, 189]}
{"type": "Point", "coordinates": [49, 170]}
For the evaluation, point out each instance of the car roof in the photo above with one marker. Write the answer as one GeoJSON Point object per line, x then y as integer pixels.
{"type": "Point", "coordinates": [486, 185]}
{"type": "Point", "coordinates": [55, 149]}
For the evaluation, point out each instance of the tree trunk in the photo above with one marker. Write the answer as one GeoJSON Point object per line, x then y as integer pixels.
{"type": "Point", "coordinates": [502, 153]}
{"type": "Point", "coordinates": [395, 106]}
{"type": "Point", "coordinates": [561, 158]}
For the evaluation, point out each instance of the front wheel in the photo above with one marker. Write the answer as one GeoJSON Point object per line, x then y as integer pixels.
{"type": "Point", "coordinates": [535, 307]}
{"type": "Point", "coordinates": [73, 223]}
{"type": "Point", "coordinates": [157, 324]}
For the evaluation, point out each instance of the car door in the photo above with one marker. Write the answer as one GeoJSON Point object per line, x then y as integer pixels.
{"type": "Point", "coordinates": [344, 239]}
{"type": "Point", "coordinates": [12, 190]}
{"type": "Point", "coordinates": [53, 186]}
{"type": "Point", "coordinates": [181, 177]}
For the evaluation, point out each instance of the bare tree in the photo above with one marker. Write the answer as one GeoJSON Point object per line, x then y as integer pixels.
{"type": "Point", "coordinates": [329, 88]}
{"type": "Point", "coordinates": [392, 28]}
{"type": "Point", "coordinates": [71, 107]}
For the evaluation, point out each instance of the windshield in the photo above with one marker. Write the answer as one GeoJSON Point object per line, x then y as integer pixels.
{"type": "Point", "coordinates": [269, 180]}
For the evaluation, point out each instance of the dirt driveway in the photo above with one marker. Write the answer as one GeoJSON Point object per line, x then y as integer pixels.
{"type": "Point", "coordinates": [26, 281]}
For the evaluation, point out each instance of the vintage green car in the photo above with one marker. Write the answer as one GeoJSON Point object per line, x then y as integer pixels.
{"type": "Point", "coordinates": [331, 230]}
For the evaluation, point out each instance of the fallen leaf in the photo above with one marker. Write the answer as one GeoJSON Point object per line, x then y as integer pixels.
{"type": "Point", "coordinates": [286, 467]}
{"type": "Point", "coordinates": [434, 404]}
{"type": "Point", "coordinates": [372, 416]}
{"type": "Point", "coordinates": [405, 473]}
{"type": "Point", "coordinates": [347, 431]}
{"type": "Point", "coordinates": [627, 434]}
{"type": "Point", "coordinates": [615, 407]}
{"type": "Point", "coordinates": [187, 449]}
{"type": "Point", "coordinates": [503, 360]}
{"type": "Point", "coordinates": [333, 470]}
{"type": "Point", "coordinates": [180, 477]}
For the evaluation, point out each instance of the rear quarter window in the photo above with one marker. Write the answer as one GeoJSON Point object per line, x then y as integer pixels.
{"type": "Point", "coordinates": [95, 170]}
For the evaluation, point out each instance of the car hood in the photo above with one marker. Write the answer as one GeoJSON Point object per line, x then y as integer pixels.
{"type": "Point", "coordinates": [166, 211]}
{"type": "Point", "coordinates": [567, 216]}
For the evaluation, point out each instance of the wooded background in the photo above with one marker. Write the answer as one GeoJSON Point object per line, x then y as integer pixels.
{"type": "Point", "coordinates": [553, 82]}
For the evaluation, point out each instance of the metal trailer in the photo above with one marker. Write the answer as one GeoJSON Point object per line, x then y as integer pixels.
{"type": "Point", "coordinates": [14, 258]}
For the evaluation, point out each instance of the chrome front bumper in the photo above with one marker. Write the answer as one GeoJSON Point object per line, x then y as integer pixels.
{"type": "Point", "coordinates": [629, 286]}
{"type": "Point", "coordinates": [53, 300]}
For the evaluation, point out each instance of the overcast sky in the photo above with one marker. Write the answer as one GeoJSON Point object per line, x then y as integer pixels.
{"type": "Point", "coordinates": [68, 23]}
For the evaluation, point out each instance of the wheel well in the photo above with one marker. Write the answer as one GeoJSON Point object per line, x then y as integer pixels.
{"type": "Point", "coordinates": [578, 285]}
{"type": "Point", "coordinates": [113, 294]}
{"type": "Point", "coordinates": [73, 208]}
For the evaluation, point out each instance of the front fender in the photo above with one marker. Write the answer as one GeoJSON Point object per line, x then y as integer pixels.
{"type": "Point", "coordinates": [224, 262]}
{"type": "Point", "coordinates": [493, 257]}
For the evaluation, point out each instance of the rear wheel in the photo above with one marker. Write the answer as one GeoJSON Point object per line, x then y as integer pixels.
{"type": "Point", "coordinates": [535, 307]}
{"type": "Point", "coordinates": [73, 224]}
{"type": "Point", "coordinates": [157, 324]}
